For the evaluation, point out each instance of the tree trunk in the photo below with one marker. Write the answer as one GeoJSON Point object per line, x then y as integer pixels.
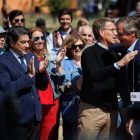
{"type": "Point", "coordinates": [30, 12]}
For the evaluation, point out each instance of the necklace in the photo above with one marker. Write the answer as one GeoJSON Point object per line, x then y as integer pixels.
{"type": "Point", "coordinates": [78, 64]}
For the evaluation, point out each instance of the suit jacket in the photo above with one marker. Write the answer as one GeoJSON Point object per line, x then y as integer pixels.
{"type": "Point", "coordinates": [126, 73]}
{"type": "Point", "coordinates": [14, 80]}
{"type": "Point", "coordinates": [99, 77]}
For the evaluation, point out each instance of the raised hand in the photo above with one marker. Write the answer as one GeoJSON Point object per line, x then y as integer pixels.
{"type": "Point", "coordinates": [59, 39]}
{"type": "Point", "coordinates": [31, 68]}
{"type": "Point", "coordinates": [67, 37]}
{"type": "Point", "coordinates": [43, 65]}
{"type": "Point", "coordinates": [127, 58]}
{"type": "Point", "coordinates": [60, 55]}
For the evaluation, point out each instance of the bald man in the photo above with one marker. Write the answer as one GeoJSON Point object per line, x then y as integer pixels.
{"type": "Point", "coordinates": [86, 32]}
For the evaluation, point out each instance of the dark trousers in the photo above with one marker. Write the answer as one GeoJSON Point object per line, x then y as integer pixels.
{"type": "Point", "coordinates": [136, 130]}
{"type": "Point", "coordinates": [30, 131]}
{"type": "Point", "coordinates": [69, 130]}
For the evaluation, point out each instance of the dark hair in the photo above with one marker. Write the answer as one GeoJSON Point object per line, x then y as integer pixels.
{"type": "Point", "coordinates": [14, 34]}
{"type": "Point", "coordinates": [65, 11]}
{"type": "Point", "coordinates": [99, 24]}
{"type": "Point", "coordinates": [106, 12]}
{"type": "Point", "coordinates": [40, 20]}
{"type": "Point", "coordinates": [71, 41]}
{"type": "Point", "coordinates": [15, 13]}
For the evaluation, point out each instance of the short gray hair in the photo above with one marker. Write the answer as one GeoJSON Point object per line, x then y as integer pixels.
{"type": "Point", "coordinates": [130, 24]}
{"type": "Point", "coordinates": [80, 29]}
{"type": "Point", "coordinates": [99, 24]}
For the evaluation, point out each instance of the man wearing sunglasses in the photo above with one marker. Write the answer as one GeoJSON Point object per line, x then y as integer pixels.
{"type": "Point", "coordinates": [16, 18]}
{"type": "Point", "coordinates": [21, 74]}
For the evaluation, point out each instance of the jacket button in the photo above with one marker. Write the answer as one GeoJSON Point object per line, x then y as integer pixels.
{"type": "Point", "coordinates": [32, 97]}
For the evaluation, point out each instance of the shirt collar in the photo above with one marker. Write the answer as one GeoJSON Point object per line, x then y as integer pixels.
{"type": "Point", "coordinates": [102, 45]}
{"type": "Point", "coordinates": [15, 54]}
{"type": "Point", "coordinates": [131, 48]}
{"type": "Point", "coordinates": [64, 33]}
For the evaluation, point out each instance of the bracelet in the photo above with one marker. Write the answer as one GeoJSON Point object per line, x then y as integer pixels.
{"type": "Point", "coordinates": [117, 65]}
{"type": "Point", "coordinates": [58, 65]}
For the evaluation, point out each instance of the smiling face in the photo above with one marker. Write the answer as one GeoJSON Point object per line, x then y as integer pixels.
{"type": "Point", "coordinates": [21, 46]}
{"type": "Point", "coordinates": [87, 34]}
{"type": "Point", "coordinates": [125, 39]}
{"type": "Point", "coordinates": [65, 22]}
{"type": "Point", "coordinates": [77, 52]}
{"type": "Point", "coordinates": [2, 40]}
{"type": "Point", "coordinates": [37, 46]}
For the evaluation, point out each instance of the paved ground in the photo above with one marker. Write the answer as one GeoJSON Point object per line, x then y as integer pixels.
{"type": "Point", "coordinates": [60, 130]}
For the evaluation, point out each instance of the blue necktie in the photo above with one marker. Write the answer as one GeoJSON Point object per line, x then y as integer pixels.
{"type": "Point", "coordinates": [22, 63]}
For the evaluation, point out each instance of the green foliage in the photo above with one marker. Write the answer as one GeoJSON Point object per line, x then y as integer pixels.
{"type": "Point", "coordinates": [55, 5]}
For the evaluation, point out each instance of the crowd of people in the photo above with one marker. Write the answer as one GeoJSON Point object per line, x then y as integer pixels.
{"type": "Point", "coordinates": [81, 73]}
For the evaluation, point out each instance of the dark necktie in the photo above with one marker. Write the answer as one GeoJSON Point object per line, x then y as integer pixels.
{"type": "Point", "coordinates": [22, 63]}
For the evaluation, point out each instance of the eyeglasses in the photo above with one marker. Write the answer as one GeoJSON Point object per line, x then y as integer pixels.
{"type": "Point", "coordinates": [41, 24]}
{"type": "Point", "coordinates": [110, 13]}
{"type": "Point", "coordinates": [112, 30]}
{"type": "Point", "coordinates": [37, 38]}
{"type": "Point", "coordinates": [17, 20]}
{"type": "Point", "coordinates": [81, 46]}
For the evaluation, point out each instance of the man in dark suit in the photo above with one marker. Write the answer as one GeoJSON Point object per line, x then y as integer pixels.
{"type": "Point", "coordinates": [128, 34]}
{"type": "Point", "coordinates": [98, 107]}
{"type": "Point", "coordinates": [22, 74]}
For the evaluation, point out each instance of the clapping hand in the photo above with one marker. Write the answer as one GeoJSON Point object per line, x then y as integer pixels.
{"type": "Point", "coordinates": [43, 63]}
{"type": "Point", "coordinates": [31, 68]}
{"type": "Point", "coordinates": [60, 55]}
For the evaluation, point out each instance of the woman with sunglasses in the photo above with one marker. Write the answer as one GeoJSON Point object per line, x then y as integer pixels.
{"type": "Point", "coordinates": [74, 48]}
{"type": "Point", "coordinates": [50, 97]}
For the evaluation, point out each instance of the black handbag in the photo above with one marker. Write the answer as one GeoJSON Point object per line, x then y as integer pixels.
{"type": "Point", "coordinates": [72, 113]}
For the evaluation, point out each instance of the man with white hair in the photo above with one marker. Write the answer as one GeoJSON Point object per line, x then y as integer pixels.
{"type": "Point", "coordinates": [87, 34]}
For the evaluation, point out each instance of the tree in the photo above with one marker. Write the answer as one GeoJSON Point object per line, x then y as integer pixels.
{"type": "Point", "coordinates": [55, 6]}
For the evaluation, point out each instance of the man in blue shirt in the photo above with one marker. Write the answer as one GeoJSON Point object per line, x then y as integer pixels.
{"type": "Point", "coordinates": [2, 39]}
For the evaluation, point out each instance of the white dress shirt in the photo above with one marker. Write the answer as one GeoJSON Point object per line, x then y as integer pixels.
{"type": "Point", "coordinates": [50, 46]}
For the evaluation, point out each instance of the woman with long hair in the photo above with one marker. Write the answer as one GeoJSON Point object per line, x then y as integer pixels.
{"type": "Point", "coordinates": [50, 97]}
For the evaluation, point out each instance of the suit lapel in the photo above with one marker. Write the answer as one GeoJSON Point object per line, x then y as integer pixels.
{"type": "Point", "coordinates": [130, 64]}
{"type": "Point", "coordinates": [14, 60]}
{"type": "Point", "coordinates": [137, 45]}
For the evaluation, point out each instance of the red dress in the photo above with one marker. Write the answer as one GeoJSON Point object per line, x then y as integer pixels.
{"type": "Point", "coordinates": [49, 112]}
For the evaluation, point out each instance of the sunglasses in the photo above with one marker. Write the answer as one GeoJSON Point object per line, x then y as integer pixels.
{"type": "Point", "coordinates": [17, 20]}
{"type": "Point", "coordinates": [110, 13]}
{"type": "Point", "coordinates": [81, 46]}
{"type": "Point", "coordinates": [41, 24]}
{"type": "Point", "coordinates": [37, 38]}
